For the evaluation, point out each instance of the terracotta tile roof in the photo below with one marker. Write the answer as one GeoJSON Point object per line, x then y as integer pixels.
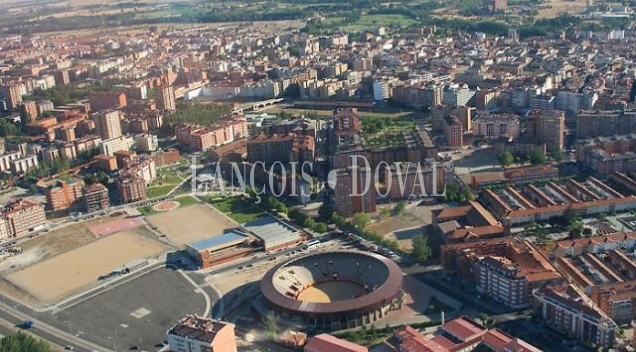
{"type": "Point", "coordinates": [329, 343]}
{"type": "Point", "coordinates": [464, 329]}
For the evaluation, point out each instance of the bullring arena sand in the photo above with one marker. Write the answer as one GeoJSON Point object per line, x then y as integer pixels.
{"type": "Point", "coordinates": [331, 291]}
{"type": "Point", "coordinates": [191, 224]}
{"type": "Point", "coordinates": [60, 276]}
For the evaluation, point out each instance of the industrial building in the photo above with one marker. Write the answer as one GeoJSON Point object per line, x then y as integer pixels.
{"type": "Point", "coordinates": [272, 233]}
{"type": "Point", "coordinates": [220, 249]}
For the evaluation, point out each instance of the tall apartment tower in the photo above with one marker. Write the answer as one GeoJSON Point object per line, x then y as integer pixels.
{"type": "Point", "coordinates": [11, 94]}
{"type": "Point", "coordinates": [166, 99]}
{"type": "Point", "coordinates": [350, 193]}
{"type": "Point", "coordinates": [548, 126]}
{"type": "Point", "coordinates": [499, 5]}
{"type": "Point", "coordinates": [454, 132]}
{"type": "Point", "coordinates": [108, 124]}
{"type": "Point", "coordinates": [28, 111]}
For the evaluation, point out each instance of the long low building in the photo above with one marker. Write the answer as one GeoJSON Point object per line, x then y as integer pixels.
{"type": "Point", "coordinates": [273, 233]}
{"type": "Point", "coordinates": [220, 249]}
{"type": "Point", "coordinates": [533, 204]}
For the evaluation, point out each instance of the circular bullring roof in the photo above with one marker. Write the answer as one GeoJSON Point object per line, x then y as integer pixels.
{"type": "Point", "coordinates": [380, 276]}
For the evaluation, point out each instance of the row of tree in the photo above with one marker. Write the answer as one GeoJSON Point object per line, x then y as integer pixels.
{"type": "Point", "coordinates": [198, 114]}
{"type": "Point", "coordinates": [535, 157]}
{"type": "Point", "coordinates": [21, 342]}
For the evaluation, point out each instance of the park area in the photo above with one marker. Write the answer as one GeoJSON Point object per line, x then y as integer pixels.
{"type": "Point", "coordinates": [166, 181]}
{"type": "Point", "coordinates": [60, 276]}
{"type": "Point", "coordinates": [384, 132]}
{"type": "Point", "coordinates": [191, 224]}
{"type": "Point", "coordinates": [370, 22]}
{"type": "Point", "coordinates": [238, 209]}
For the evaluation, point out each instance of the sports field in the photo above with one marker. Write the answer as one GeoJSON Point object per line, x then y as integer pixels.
{"type": "Point", "coordinates": [191, 224]}
{"type": "Point", "coordinates": [331, 291]}
{"type": "Point", "coordinates": [114, 226]}
{"type": "Point", "coordinates": [63, 275]}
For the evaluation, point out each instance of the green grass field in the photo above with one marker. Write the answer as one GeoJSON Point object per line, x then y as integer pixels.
{"type": "Point", "coordinates": [166, 181]}
{"type": "Point", "coordinates": [239, 209]}
{"type": "Point", "coordinates": [373, 21]}
{"type": "Point", "coordinates": [159, 191]}
{"type": "Point", "coordinates": [147, 210]}
{"type": "Point", "coordinates": [384, 132]}
{"type": "Point", "coordinates": [186, 200]}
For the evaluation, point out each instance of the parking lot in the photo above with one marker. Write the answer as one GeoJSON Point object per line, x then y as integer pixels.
{"type": "Point", "coordinates": [135, 313]}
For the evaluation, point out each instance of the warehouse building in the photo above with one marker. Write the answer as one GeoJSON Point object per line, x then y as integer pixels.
{"type": "Point", "coordinates": [273, 233]}
{"type": "Point", "coordinates": [220, 249]}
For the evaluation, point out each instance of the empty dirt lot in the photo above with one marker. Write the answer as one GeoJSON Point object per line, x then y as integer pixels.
{"type": "Point", "coordinates": [58, 277]}
{"type": "Point", "coordinates": [403, 227]}
{"type": "Point", "coordinates": [50, 244]}
{"type": "Point", "coordinates": [191, 224]}
{"type": "Point", "coordinates": [551, 9]}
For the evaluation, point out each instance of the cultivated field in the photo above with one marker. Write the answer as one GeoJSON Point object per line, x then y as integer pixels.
{"type": "Point", "coordinates": [191, 224]}
{"type": "Point", "coordinates": [58, 277]}
{"type": "Point", "coordinates": [554, 8]}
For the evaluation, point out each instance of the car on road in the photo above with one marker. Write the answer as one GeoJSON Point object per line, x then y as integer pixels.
{"type": "Point", "coordinates": [27, 324]}
{"type": "Point", "coordinates": [69, 347]}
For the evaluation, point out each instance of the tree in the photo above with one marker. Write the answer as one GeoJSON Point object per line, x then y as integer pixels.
{"type": "Point", "coordinates": [483, 317]}
{"type": "Point", "coordinates": [320, 227]}
{"type": "Point", "coordinates": [576, 229]}
{"type": "Point", "coordinates": [556, 155]}
{"type": "Point", "coordinates": [270, 327]}
{"type": "Point", "coordinates": [399, 208]}
{"type": "Point", "coordinates": [280, 207]}
{"type": "Point", "coordinates": [421, 250]}
{"type": "Point", "coordinates": [339, 220]}
{"type": "Point", "coordinates": [537, 157]}
{"type": "Point", "coordinates": [22, 342]}
{"type": "Point", "coordinates": [506, 159]}
{"type": "Point", "coordinates": [570, 216]}
{"type": "Point", "coordinates": [7, 129]}
{"type": "Point", "coordinates": [360, 220]}
{"type": "Point", "coordinates": [325, 212]}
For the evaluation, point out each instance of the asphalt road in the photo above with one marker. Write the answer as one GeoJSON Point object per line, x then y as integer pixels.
{"type": "Point", "coordinates": [48, 332]}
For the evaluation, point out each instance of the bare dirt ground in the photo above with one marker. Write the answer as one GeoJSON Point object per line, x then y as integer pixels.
{"type": "Point", "coordinates": [272, 26]}
{"type": "Point", "coordinates": [191, 224]}
{"type": "Point", "coordinates": [553, 9]}
{"type": "Point", "coordinates": [51, 244]}
{"type": "Point", "coordinates": [58, 277]}
{"type": "Point", "coordinates": [403, 227]}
